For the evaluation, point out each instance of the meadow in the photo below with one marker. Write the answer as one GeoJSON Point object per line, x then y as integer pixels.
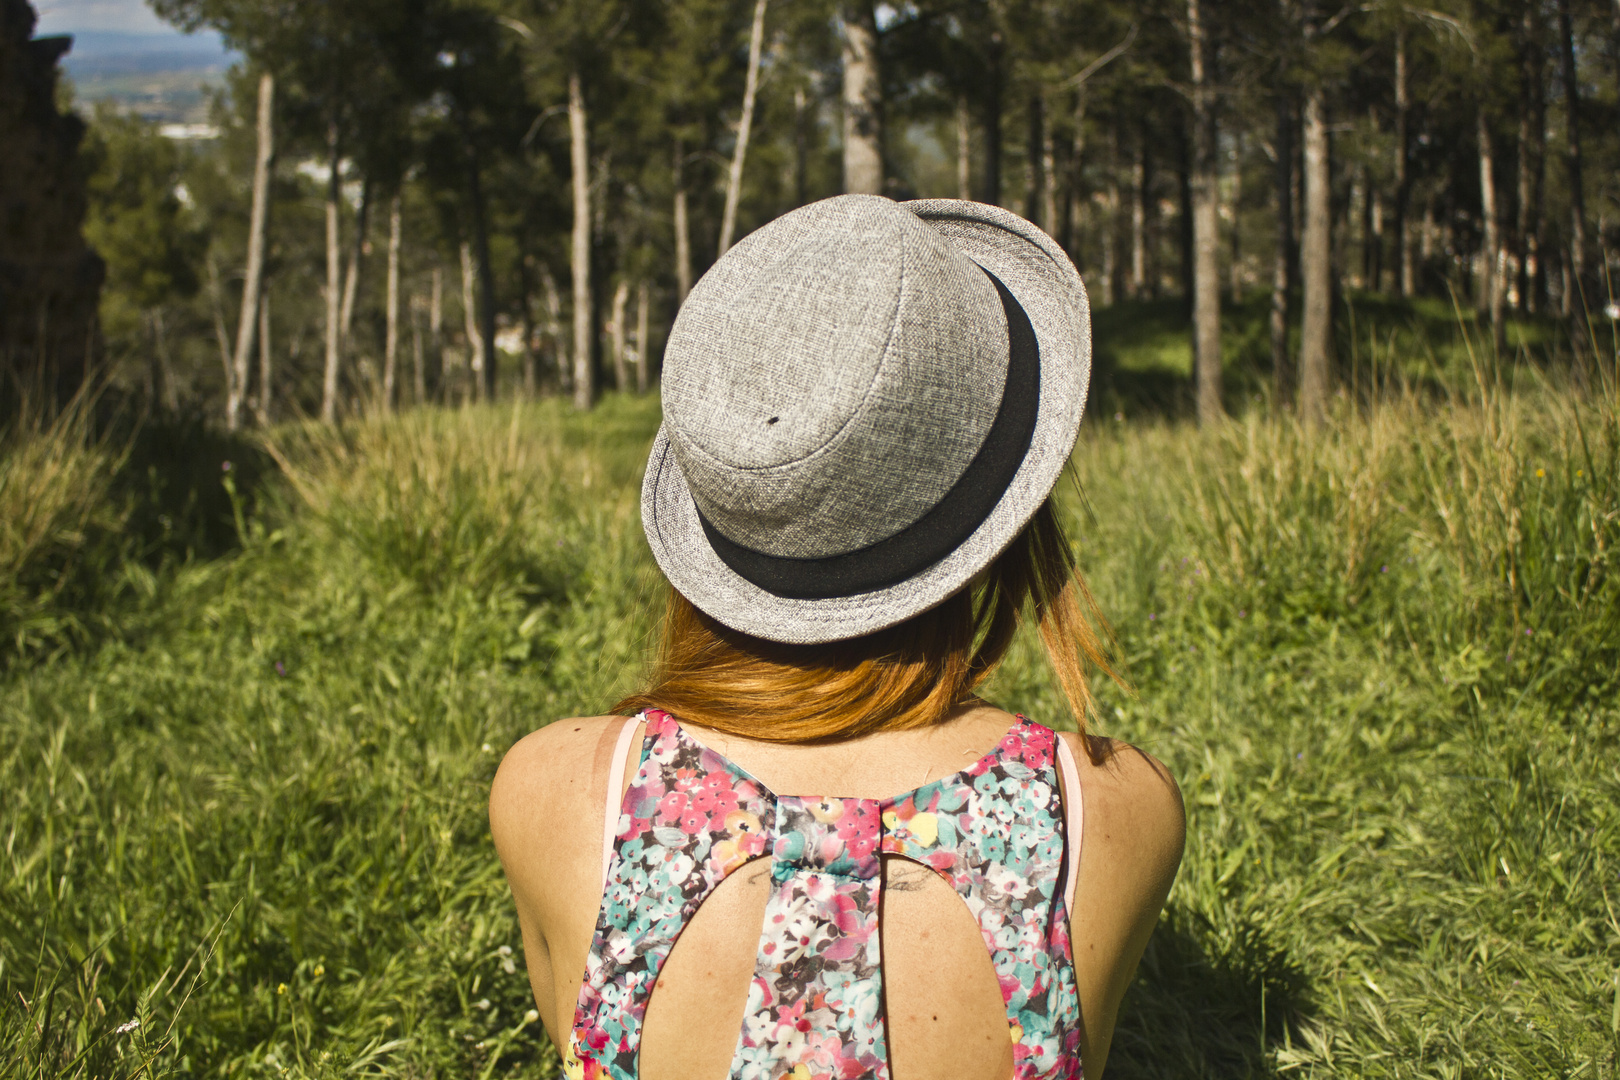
{"type": "Point", "coordinates": [252, 694]}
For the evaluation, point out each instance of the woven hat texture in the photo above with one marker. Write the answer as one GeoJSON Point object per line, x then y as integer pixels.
{"type": "Point", "coordinates": [832, 377]}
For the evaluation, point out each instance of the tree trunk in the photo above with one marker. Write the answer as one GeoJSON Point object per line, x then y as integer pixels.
{"type": "Point", "coordinates": [1575, 298]}
{"type": "Point", "coordinates": [993, 87]}
{"type": "Point", "coordinates": [1361, 200]}
{"type": "Point", "coordinates": [1532, 162]}
{"type": "Point", "coordinates": [1493, 284]}
{"type": "Point", "coordinates": [1235, 270]}
{"type": "Point", "coordinates": [1184, 216]}
{"type": "Point", "coordinates": [265, 357]}
{"type": "Point", "coordinates": [964, 149]}
{"type": "Point", "coordinates": [167, 392]}
{"type": "Point", "coordinates": [1282, 262]}
{"type": "Point", "coordinates": [1139, 199]}
{"type": "Point", "coordinates": [1070, 210]}
{"type": "Point", "coordinates": [756, 44]}
{"type": "Point", "coordinates": [1403, 178]}
{"type": "Point", "coordinates": [391, 338]}
{"type": "Point", "coordinates": [475, 345]}
{"type": "Point", "coordinates": [554, 330]}
{"type": "Point", "coordinates": [621, 371]}
{"type": "Point", "coordinates": [584, 384]}
{"type": "Point", "coordinates": [863, 101]}
{"type": "Point", "coordinates": [216, 304]}
{"type": "Point", "coordinates": [1035, 174]}
{"type": "Point", "coordinates": [531, 358]}
{"type": "Point", "coordinates": [334, 283]}
{"type": "Point", "coordinates": [643, 303]}
{"type": "Point", "coordinates": [470, 322]}
{"type": "Point", "coordinates": [418, 360]}
{"type": "Point", "coordinates": [487, 367]}
{"type": "Point", "coordinates": [801, 147]}
{"type": "Point", "coordinates": [683, 230]}
{"type": "Point", "coordinates": [472, 326]}
{"type": "Point", "coordinates": [357, 254]}
{"type": "Point", "coordinates": [1110, 224]}
{"type": "Point", "coordinates": [1317, 266]}
{"type": "Point", "coordinates": [435, 373]}
{"type": "Point", "coordinates": [252, 279]}
{"type": "Point", "coordinates": [1206, 227]}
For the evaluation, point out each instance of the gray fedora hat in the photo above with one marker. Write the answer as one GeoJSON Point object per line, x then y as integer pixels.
{"type": "Point", "coordinates": [864, 403]}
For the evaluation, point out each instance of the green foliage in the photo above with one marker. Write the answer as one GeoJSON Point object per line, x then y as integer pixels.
{"type": "Point", "coordinates": [136, 221]}
{"type": "Point", "coordinates": [250, 813]}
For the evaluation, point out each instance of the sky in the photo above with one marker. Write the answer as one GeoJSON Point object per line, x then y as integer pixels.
{"type": "Point", "coordinates": [111, 16]}
{"type": "Point", "coordinates": [119, 30]}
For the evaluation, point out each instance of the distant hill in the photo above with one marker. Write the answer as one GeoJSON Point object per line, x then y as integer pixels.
{"type": "Point", "coordinates": [164, 76]}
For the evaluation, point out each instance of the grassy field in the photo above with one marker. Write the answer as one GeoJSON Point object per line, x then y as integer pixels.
{"type": "Point", "coordinates": [253, 695]}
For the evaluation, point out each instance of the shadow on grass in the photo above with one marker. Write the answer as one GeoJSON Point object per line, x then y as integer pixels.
{"type": "Point", "coordinates": [188, 487]}
{"type": "Point", "coordinates": [165, 497]}
{"type": "Point", "coordinates": [1207, 1002]}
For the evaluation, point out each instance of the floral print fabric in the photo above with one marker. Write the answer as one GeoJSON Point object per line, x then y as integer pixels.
{"type": "Point", "coordinates": [815, 1007]}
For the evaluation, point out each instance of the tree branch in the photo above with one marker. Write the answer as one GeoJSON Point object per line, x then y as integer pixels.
{"type": "Point", "coordinates": [1101, 62]}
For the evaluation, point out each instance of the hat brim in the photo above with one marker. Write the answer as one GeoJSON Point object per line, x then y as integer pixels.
{"type": "Point", "coordinates": [1045, 283]}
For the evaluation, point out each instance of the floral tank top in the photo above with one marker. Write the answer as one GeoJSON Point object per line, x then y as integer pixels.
{"type": "Point", "coordinates": [994, 832]}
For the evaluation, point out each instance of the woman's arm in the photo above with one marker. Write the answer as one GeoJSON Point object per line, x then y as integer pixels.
{"type": "Point", "coordinates": [545, 814]}
{"type": "Point", "coordinates": [1133, 836]}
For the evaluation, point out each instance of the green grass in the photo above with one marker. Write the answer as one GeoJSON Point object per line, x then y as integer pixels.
{"type": "Point", "coordinates": [246, 734]}
{"type": "Point", "coordinates": [1143, 348]}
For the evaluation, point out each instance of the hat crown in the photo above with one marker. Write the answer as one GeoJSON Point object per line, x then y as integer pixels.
{"type": "Point", "coordinates": [831, 378]}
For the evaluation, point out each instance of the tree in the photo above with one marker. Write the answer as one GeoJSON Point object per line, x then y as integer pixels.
{"type": "Point", "coordinates": [863, 100]}
{"type": "Point", "coordinates": [1206, 224]}
{"type": "Point", "coordinates": [579, 156]}
{"type": "Point", "coordinates": [756, 39]}
{"type": "Point", "coordinates": [1574, 285]}
{"type": "Point", "coordinates": [151, 246]}
{"type": "Point", "coordinates": [247, 322]}
{"type": "Point", "coordinates": [345, 73]}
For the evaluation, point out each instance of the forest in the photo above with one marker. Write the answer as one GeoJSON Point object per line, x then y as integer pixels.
{"type": "Point", "coordinates": [455, 200]}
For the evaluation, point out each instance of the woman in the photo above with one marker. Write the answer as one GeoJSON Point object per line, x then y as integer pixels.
{"type": "Point", "coordinates": [812, 852]}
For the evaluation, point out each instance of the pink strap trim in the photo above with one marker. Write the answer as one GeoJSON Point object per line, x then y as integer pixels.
{"type": "Point", "coordinates": [610, 815]}
{"type": "Point", "coordinates": [1074, 813]}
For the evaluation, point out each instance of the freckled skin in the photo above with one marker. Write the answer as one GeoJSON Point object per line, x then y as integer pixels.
{"type": "Point", "coordinates": [946, 1014]}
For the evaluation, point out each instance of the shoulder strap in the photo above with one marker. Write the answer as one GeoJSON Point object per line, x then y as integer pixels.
{"type": "Point", "coordinates": [1074, 819]}
{"type": "Point", "coordinates": [687, 820]}
{"type": "Point", "coordinates": [615, 797]}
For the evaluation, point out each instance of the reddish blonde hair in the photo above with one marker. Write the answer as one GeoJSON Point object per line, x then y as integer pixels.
{"type": "Point", "coordinates": [906, 676]}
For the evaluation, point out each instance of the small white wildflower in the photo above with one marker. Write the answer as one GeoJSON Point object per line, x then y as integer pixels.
{"type": "Point", "coordinates": [125, 1029]}
{"type": "Point", "coordinates": [488, 749]}
{"type": "Point", "coordinates": [481, 1003]}
{"type": "Point", "coordinates": [505, 950]}
{"type": "Point", "coordinates": [1611, 311]}
{"type": "Point", "coordinates": [531, 1016]}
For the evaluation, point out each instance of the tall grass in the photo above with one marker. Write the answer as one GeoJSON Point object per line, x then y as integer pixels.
{"type": "Point", "coordinates": [55, 485]}
{"type": "Point", "coordinates": [1381, 658]}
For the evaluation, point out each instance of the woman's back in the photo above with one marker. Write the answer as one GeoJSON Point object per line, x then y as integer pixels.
{"type": "Point", "coordinates": [943, 1002]}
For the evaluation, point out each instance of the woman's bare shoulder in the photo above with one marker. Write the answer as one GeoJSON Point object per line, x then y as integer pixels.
{"type": "Point", "coordinates": [1135, 805]}
{"type": "Point", "coordinates": [552, 776]}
